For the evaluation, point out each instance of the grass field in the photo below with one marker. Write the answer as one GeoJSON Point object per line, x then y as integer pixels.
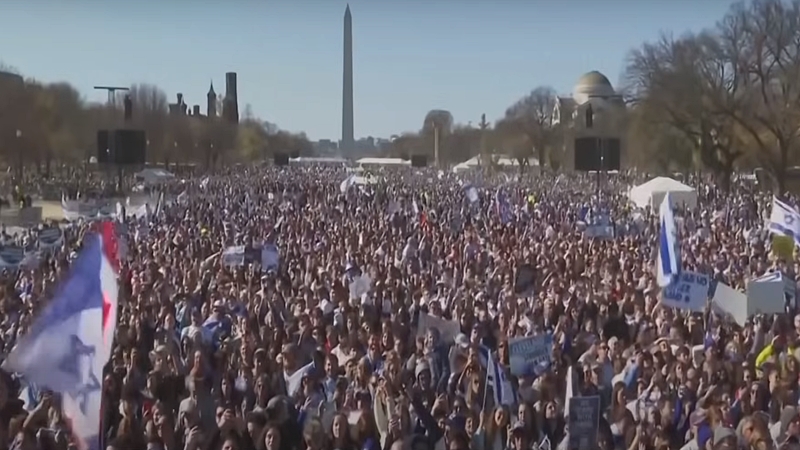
{"type": "Point", "coordinates": [50, 211]}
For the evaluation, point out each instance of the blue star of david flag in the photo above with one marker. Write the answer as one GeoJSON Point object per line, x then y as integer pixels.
{"type": "Point", "coordinates": [784, 221]}
{"type": "Point", "coordinates": [502, 206]}
{"type": "Point", "coordinates": [669, 254]}
{"type": "Point", "coordinates": [70, 342]}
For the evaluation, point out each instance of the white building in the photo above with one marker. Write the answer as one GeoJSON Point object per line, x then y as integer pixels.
{"type": "Point", "coordinates": [594, 124]}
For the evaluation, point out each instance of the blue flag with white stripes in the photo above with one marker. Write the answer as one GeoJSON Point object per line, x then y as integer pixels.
{"type": "Point", "coordinates": [669, 253]}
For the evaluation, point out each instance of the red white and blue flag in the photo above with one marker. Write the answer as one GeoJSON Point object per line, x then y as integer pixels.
{"type": "Point", "coordinates": [70, 342]}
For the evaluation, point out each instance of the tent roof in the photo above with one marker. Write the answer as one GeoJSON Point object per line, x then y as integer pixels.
{"type": "Point", "coordinates": [663, 184]}
{"type": "Point", "coordinates": [384, 161]}
{"type": "Point", "coordinates": [155, 172]}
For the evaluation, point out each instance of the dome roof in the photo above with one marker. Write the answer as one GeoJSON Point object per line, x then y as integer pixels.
{"type": "Point", "coordinates": [592, 84]}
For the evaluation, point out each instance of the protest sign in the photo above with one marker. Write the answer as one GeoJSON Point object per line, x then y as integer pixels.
{"type": "Point", "coordinates": [360, 286]}
{"type": "Point", "coordinates": [599, 231]}
{"type": "Point", "coordinates": [689, 292]}
{"type": "Point", "coordinates": [730, 303]}
{"type": "Point", "coordinates": [448, 329]}
{"type": "Point", "coordinates": [528, 354]}
{"type": "Point", "coordinates": [233, 256]}
{"type": "Point", "coordinates": [783, 247]}
{"type": "Point", "coordinates": [584, 419]}
{"type": "Point", "coordinates": [50, 238]}
{"type": "Point", "coordinates": [525, 280]}
{"type": "Point", "coordinates": [11, 256]}
{"type": "Point", "coordinates": [270, 257]}
{"type": "Point", "coordinates": [771, 293]}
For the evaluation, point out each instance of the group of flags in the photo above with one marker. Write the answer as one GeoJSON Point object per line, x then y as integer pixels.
{"type": "Point", "coordinates": [71, 340]}
{"type": "Point", "coordinates": [784, 221]}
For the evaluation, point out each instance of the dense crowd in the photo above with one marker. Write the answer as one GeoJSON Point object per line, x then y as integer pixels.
{"type": "Point", "coordinates": [390, 318]}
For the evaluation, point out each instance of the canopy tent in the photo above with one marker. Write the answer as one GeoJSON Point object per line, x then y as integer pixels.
{"type": "Point", "coordinates": [321, 160]}
{"type": "Point", "coordinates": [652, 193]}
{"type": "Point", "coordinates": [501, 162]}
{"type": "Point", "coordinates": [383, 162]}
{"type": "Point", "coordinates": [154, 176]}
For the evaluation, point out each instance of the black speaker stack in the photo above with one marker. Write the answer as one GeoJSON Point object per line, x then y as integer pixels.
{"type": "Point", "coordinates": [122, 147]}
{"type": "Point", "coordinates": [419, 161]}
{"type": "Point", "coordinates": [597, 154]}
{"type": "Point", "coordinates": [280, 159]}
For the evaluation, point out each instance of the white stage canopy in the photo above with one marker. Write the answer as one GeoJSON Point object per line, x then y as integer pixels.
{"type": "Point", "coordinates": [652, 193]}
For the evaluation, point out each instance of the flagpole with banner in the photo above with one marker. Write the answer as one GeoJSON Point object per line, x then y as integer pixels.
{"type": "Point", "coordinates": [70, 342]}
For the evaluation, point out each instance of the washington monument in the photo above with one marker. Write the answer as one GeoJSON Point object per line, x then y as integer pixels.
{"type": "Point", "coordinates": [347, 84]}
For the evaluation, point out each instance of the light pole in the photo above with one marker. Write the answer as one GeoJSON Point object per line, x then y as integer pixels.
{"type": "Point", "coordinates": [18, 134]}
{"type": "Point", "coordinates": [111, 101]}
{"type": "Point", "coordinates": [483, 125]}
{"type": "Point", "coordinates": [435, 143]}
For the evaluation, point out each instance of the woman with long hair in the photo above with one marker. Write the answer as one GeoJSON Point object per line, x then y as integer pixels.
{"type": "Point", "coordinates": [339, 434]}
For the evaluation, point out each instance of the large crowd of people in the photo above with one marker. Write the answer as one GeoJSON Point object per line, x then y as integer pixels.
{"type": "Point", "coordinates": [389, 317]}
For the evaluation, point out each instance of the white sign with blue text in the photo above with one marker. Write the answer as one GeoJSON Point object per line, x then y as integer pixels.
{"type": "Point", "coordinates": [689, 292]}
{"type": "Point", "coordinates": [530, 355]}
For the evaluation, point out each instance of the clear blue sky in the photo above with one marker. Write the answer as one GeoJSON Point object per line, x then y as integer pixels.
{"type": "Point", "coordinates": [411, 56]}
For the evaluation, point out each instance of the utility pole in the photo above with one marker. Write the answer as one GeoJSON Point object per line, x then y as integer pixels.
{"type": "Point", "coordinates": [483, 125]}
{"type": "Point", "coordinates": [111, 150]}
{"type": "Point", "coordinates": [436, 143]}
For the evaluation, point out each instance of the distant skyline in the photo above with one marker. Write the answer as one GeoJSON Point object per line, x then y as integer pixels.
{"type": "Point", "coordinates": [408, 57]}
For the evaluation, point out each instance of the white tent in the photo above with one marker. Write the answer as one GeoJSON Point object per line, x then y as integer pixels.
{"type": "Point", "coordinates": [154, 176]}
{"type": "Point", "coordinates": [502, 162]}
{"type": "Point", "coordinates": [652, 193]}
{"type": "Point", "coordinates": [383, 162]}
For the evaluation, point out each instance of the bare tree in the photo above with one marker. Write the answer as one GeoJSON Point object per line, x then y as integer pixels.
{"type": "Point", "coordinates": [688, 85]}
{"type": "Point", "coordinates": [407, 144]}
{"type": "Point", "coordinates": [252, 138]}
{"type": "Point", "coordinates": [150, 109]}
{"type": "Point", "coordinates": [531, 118]}
{"type": "Point", "coordinates": [463, 143]}
{"type": "Point", "coordinates": [760, 44]}
{"type": "Point", "coordinates": [659, 146]}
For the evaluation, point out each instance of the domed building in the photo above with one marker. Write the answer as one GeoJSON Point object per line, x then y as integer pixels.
{"type": "Point", "coordinates": [593, 125]}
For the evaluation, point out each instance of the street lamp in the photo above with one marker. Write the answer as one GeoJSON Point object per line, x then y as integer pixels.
{"type": "Point", "coordinates": [19, 152]}
{"type": "Point", "coordinates": [435, 142]}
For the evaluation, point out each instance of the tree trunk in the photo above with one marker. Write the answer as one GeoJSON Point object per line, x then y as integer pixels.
{"type": "Point", "coordinates": [725, 176]}
{"type": "Point", "coordinates": [541, 154]}
{"type": "Point", "coordinates": [20, 164]}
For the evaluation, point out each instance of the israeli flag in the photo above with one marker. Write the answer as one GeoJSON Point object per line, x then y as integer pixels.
{"type": "Point", "coordinates": [503, 206]}
{"type": "Point", "coordinates": [70, 341]}
{"type": "Point", "coordinates": [669, 255]}
{"type": "Point", "coordinates": [347, 184]}
{"type": "Point", "coordinates": [502, 388]}
{"type": "Point", "coordinates": [29, 396]}
{"type": "Point", "coordinates": [784, 221]}
{"type": "Point", "coordinates": [471, 193]}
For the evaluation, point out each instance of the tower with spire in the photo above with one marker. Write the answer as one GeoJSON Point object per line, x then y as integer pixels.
{"type": "Point", "coordinates": [348, 139]}
{"type": "Point", "coordinates": [211, 99]}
